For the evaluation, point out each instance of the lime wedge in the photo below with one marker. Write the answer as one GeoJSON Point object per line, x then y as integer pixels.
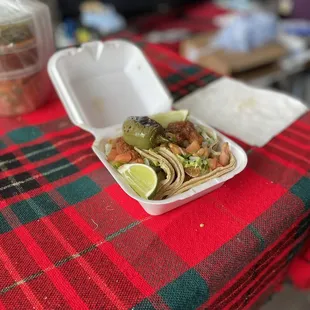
{"type": "Point", "coordinates": [165, 119]}
{"type": "Point", "coordinates": [142, 179]}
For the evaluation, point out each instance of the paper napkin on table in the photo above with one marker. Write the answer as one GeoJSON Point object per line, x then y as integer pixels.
{"type": "Point", "coordinates": [252, 115]}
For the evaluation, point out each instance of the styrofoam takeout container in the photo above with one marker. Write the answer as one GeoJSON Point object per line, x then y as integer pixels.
{"type": "Point", "coordinates": [101, 84]}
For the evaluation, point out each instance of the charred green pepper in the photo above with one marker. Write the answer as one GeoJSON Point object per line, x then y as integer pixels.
{"type": "Point", "coordinates": [143, 132]}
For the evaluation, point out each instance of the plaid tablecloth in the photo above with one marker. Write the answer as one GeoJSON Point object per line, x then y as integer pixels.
{"type": "Point", "coordinates": [71, 238]}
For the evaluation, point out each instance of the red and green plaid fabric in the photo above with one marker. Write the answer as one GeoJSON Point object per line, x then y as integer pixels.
{"type": "Point", "coordinates": [71, 238]}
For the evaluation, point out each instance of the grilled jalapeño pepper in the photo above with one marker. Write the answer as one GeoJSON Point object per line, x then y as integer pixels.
{"type": "Point", "coordinates": [142, 132]}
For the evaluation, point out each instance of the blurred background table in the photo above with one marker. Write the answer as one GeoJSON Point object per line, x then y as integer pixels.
{"type": "Point", "coordinates": [170, 22]}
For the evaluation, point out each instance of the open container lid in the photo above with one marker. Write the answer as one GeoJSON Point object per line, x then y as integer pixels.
{"type": "Point", "coordinates": [102, 83]}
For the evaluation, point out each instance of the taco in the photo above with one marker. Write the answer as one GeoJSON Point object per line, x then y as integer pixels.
{"type": "Point", "coordinates": [180, 175]}
{"type": "Point", "coordinates": [218, 172]}
{"type": "Point", "coordinates": [118, 153]}
{"type": "Point", "coordinates": [154, 160]}
{"type": "Point", "coordinates": [183, 154]}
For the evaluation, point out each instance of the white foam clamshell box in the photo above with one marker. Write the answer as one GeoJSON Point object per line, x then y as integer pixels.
{"type": "Point", "coordinates": [101, 84]}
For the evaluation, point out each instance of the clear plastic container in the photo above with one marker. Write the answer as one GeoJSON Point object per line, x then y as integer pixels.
{"type": "Point", "coordinates": [26, 44]}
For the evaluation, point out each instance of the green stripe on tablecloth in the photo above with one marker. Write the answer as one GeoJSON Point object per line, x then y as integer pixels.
{"type": "Point", "coordinates": [4, 225]}
{"type": "Point", "coordinates": [189, 291]}
{"type": "Point", "coordinates": [2, 145]}
{"type": "Point", "coordinates": [145, 304]}
{"type": "Point", "coordinates": [258, 236]}
{"type": "Point", "coordinates": [34, 208]}
{"type": "Point", "coordinates": [79, 190]}
{"type": "Point", "coordinates": [191, 70]}
{"type": "Point", "coordinates": [17, 283]}
{"type": "Point", "coordinates": [122, 230]}
{"type": "Point", "coordinates": [209, 78]}
{"type": "Point", "coordinates": [25, 134]}
{"type": "Point", "coordinates": [302, 190]}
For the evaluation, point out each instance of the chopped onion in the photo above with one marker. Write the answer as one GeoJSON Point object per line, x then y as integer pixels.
{"type": "Point", "coordinates": [107, 149]}
{"type": "Point", "coordinates": [194, 158]}
{"type": "Point", "coordinates": [146, 161]}
{"type": "Point", "coordinates": [204, 135]}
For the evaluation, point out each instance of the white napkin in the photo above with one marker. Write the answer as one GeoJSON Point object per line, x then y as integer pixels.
{"type": "Point", "coordinates": [252, 115]}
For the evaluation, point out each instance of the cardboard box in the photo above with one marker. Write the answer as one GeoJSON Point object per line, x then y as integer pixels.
{"type": "Point", "coordinates": [226, 62]}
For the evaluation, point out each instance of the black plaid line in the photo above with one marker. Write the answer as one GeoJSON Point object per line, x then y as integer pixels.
{"type": "Point", "coordinates": [295, 251]}
{"type": "Point", "coordinates": [52, 174]}
{"type": "Point", "coordinates": [9, 161]}
{"type": "Point", "coordinates": [208, 78]}
{"type": "Point", "coordinates": [302, 227]}
{"type": "Point", "coordinates": [141, 44]}
{"type": "Point", "coordinates": [20, 183]}
{"type": "Point", "coordinates": [25, 280]}
{"type": "Point", "coordinates": [34, 152]}
{"type": "Point", "coordinates": [173, 79]}
{"type": "Point", "coordinates": [182, 92]}
{"type": "Point", "coordinates": [191, 87]}
{"type": "Point", "coordinates": [192, 70]}
{"type": "Point", "coordinates": [176, 95]}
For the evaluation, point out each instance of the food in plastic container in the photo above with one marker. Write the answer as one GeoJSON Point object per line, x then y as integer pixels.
{"type": "Point", "coordinates": [26, 43]}
{"type": "Point", "coordinates": [18, 48]}
{"type": "Point", "coordinates": [101, 84]}
{"type": "Point", "coordinates": [24, 95]}
{"type": "Point", "coordinates": [19, 60]}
